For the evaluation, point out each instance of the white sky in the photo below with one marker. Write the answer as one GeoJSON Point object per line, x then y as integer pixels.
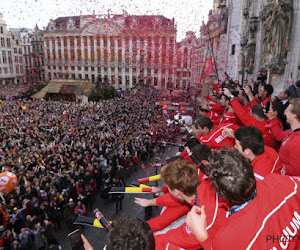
{"type": "Point", "coordinates": [26, 13]}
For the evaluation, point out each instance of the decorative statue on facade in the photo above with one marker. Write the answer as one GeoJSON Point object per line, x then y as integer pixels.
{"type": "Point", "coordinates": [277, 35]}
{"type": "Point", "coordinates": [250, 55]}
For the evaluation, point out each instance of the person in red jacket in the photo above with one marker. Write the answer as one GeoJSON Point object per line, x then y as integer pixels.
{"type": "Point", "coordinates": [182, 180]}
{"type": "Point", "coordinates": [262, 215]}
{"type": "Point", "coordinates": [214, 116]}
{"type": "Point", "coordinates": [290, 139]}
{"type": "Point", "coordinates": [174, 207]}
{"type": "Point", "coordinates": [211, 135]}
{"type": "Point", "coordinates": [264, 94]}
{"type": "Point", "coordinates": [256, 118]}
{"type": "Point", "coordinates": [264, 160]}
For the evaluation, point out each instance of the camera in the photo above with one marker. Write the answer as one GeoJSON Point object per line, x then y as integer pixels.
{"type": "Point", "coordinates": [235, 93]}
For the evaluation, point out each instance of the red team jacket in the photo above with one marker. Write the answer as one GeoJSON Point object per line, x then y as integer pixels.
{"type": "Point", "coordinates": [182, 238]}
{"type": "Point", "coordinates": [249, 120]}
{"type": "Point", "coordinates": [215, 140]}
{"type": "Point", "coordinates": [266, 163]}
{"type": "Point", "coordinates": [174, 210]}
{"type": "Point", "coordinates": [269, 221]}
{"type": "Point", "coordinates": [290, 149]}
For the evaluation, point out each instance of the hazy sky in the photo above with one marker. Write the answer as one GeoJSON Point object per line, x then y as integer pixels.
{"type": "Point", "coordinates": [26, 13]}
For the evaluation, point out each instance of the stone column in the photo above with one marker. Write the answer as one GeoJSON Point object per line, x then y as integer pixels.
{"type": "Point", "coordinates": [89, 57]}
{"type": "Point", "coordinates": [116, 63]}
{"type": "Point", "coordinates": [95, 63]}
{"type": "Point", "coordinates": [102, 57]}
{"type": "Point", "coordinates": [130, 61]}
{"type": "Point", "coordinates": [160, 63]}
{"type": "Point", "coordinates": [123, 63]}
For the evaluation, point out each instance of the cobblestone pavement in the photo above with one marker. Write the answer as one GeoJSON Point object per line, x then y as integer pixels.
{"type": "Point", "coordinates": [97, 236]}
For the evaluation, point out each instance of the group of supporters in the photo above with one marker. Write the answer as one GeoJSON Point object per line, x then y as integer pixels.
{"type": "Point", "coordinates": [235, 181]}
{"type": "Point", "coordinates": [237, 178]}
{"type": "Point", "coordinates": [64, 154]}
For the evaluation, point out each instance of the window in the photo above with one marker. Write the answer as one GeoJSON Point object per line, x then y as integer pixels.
{"type": "Point", "coordinates": [4, 58]}
{"type": "Point", "coordinates": [65, 42]}
{"type": "Point", "coordinates": [8, 42]}
{"type": "Point", "coordinates": [11, 70]}
{"type": "Point", "coordinates": [232, 49]}
{"type": "Point", "coordinates": [2, 42]}
{"type": "Point", "coordinates": [5, 70]}
{"type": "Point", "coordinates": [1, 28]}
{"type": "Point", "coordinates": [105, 41]}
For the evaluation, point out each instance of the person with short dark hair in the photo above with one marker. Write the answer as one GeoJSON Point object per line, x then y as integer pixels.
{"type": "Point", "coordinates": [284, 96]}
{"type": "Point", "coordinates": [211, 135]}
{"type": "Point", "coordinates": [228, 115]}
{"type": "Point", "coordinates": [260, 214]}
{"type": "Point", "coordinates": [130, 234]}
{"type": "Point", "coordinates": [127, 233]}
{"type": "Point", "coordinates": [264, 94]}
{"type": "Point", "coordinates": [264, 160]}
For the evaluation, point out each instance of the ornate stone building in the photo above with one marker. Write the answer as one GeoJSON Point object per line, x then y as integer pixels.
{"type": "Point", "coordinates": [254, 39]}
{"type": "Point", "coordinates": [221, 35]}
{"type": "Point", "coordinates": [121, 50]}
{"type": "Point", "coordinates": [188, 68]}
{"type": "Point", "coordinates": [270, 41]}
{"type": "Point", "coordinates": [11, 59]}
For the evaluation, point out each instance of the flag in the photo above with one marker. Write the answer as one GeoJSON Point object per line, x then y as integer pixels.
{"type": "Point", "coordinates": [208, 66]}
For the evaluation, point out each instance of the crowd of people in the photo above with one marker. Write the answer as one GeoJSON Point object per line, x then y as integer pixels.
{"type": "Point", "coordinates": [244, 144]}
{"type": "Point", "coordinates": [247, 146]}
{"type": "Point", "coordinates": [64, 153]}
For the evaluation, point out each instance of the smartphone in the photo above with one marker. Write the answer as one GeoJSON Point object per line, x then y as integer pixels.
{"type": "Point", "coordinates": [75, 240]}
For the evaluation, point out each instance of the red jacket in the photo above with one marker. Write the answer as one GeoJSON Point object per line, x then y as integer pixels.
{"type": "Point", "coordinates": [266, 163]}
{"type": "Point", "coordinates": [290, 150]}
{"type": "Point", "coordinates": [175, 209]}
{"type": "Point", "coordinates": [215, 140]}
{"type": "Point", "coordinates": [181, 237]}
{"type": "Point", "coordinates": [249, 120]}
{"type": "Point", "coordinates": [263, 103]}
{"type": "Point", "coordinates": [261, 223]}
{"type": "Point", "coordinates": [214, 117]}
{"type": "Point", "coordinates": [223, 115]}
